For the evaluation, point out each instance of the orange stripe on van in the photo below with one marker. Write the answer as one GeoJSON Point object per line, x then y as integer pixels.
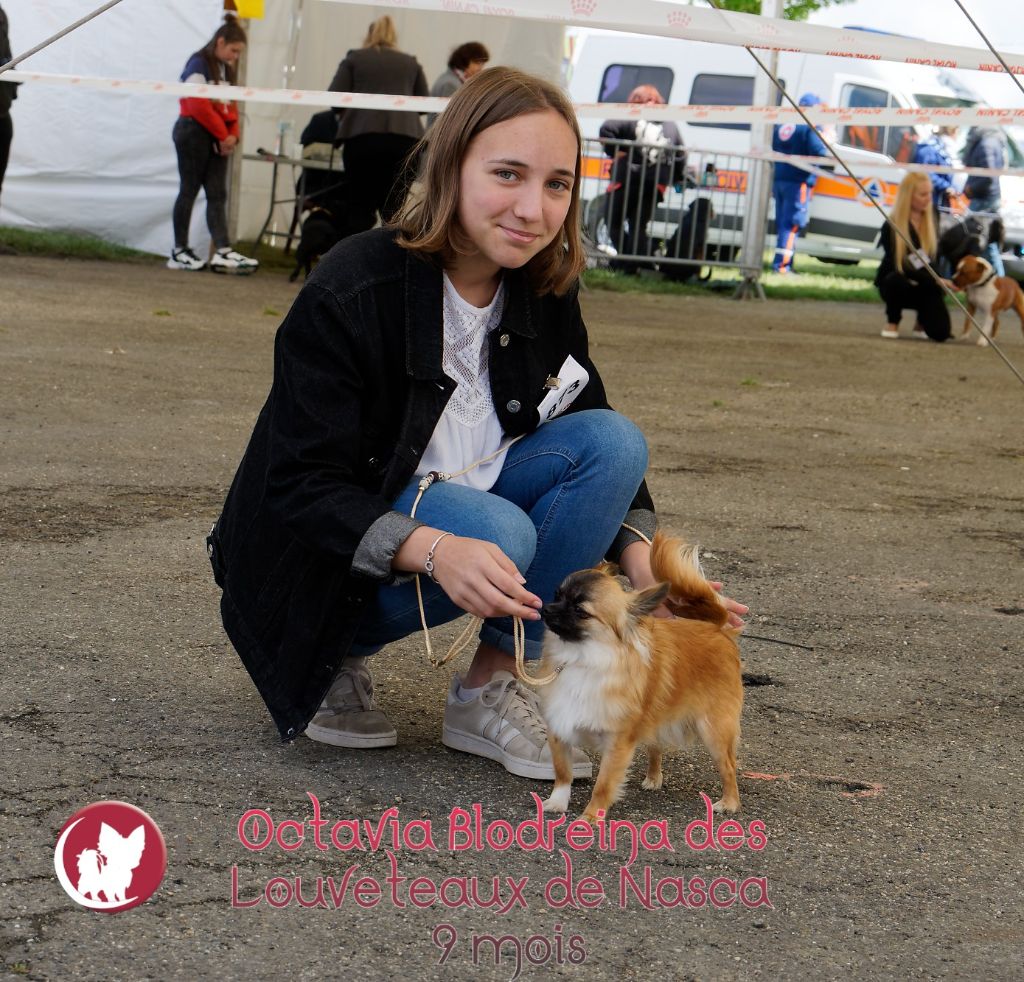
{"type": "Point", "coordinates": [843, 187]}
{"type": "Point", "coordinates": [600, 167]}
{"type": "Point", "coordinates": [735, 182]}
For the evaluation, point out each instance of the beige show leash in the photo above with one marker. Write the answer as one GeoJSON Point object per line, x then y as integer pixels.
{"type": "Point", "coordinates": [460, 643]}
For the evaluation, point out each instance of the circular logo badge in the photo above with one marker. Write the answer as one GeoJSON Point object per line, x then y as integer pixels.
{"type": "Point", "coordinates": [110, 856]}
{"type": "Point", "coordinates": [786, 131]}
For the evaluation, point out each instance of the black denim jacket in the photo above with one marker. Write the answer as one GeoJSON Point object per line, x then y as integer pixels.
{"type": "Point", "coordinates": [358, 389]}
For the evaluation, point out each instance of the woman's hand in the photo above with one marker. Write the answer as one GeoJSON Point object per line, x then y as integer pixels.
{"type": "Point", "coordinates": [476, 575]}
{"type": "Point", "coordinates": [227, 145]}
{"type": "Point", "coordinates": [734, 607]}
{"type": "Point", "coordinates": [636, 564]}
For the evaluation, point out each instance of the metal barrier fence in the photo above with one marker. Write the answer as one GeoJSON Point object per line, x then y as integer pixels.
{"type": "Point", "coordinates": [662, 206]}
{"type": "Point", "coordinates": [681, 211]}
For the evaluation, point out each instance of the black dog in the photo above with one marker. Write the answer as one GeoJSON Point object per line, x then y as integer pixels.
{"type": "Point", "coordinates": [689, 241]}
{"type": "Point", "coordinates": [968, 235]}
{"type": "Point", "coordinates": [320, 231]}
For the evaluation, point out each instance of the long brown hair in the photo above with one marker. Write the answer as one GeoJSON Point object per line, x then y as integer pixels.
{"type": "Point", "coordinates": [233, 33]}
{"type": "Point", "coordinates": [428, 222]}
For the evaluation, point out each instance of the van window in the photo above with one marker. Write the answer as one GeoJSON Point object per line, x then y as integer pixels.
{"type": "Point", "coordinates": [726, 90]}
{"type": "Point", "coordinates": [895, 141]}
{"type": "Point", "coordinates": [619, 80]}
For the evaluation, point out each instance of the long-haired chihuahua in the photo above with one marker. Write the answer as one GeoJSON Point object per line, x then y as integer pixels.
{"type": "Point", "coordinates": [626, 678]}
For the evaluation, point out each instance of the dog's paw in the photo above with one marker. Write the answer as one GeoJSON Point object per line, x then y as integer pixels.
{"type": "Point", "coordinates": [725, 807]}
{"type": "Point", "coordinates": [558, 801]}
{"type": "Point", "coordinates": [651, 783]}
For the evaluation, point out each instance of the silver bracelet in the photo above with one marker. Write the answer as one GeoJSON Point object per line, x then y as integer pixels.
{"type": "Point", "coordinates": [429, 564]}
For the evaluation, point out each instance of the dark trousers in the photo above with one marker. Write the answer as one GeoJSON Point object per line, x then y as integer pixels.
{"type": "Point", "coordinates": [629, 208]}
{"type": "Point", "coordinates": [6, 135]}
{"type": "Point", "coordinates": [792, 205]}
{"type": "Point", "coordinates": [378, 173]}
{"type": "Point", "coordinates": [900, 293]}
{"type": "Point", "coordinates": [200, 166]}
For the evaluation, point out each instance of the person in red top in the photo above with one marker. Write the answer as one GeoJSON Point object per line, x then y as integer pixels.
{"type": "Point", "coordinates": [205, 136]}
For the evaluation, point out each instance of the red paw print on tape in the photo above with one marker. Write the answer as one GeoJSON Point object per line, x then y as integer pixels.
{"type": "Point", "coordinates": [584, 7]}
{"type": "Point", "coordinates": [679, 18]}
{"type": "Point", "coordinates": [769, 29]}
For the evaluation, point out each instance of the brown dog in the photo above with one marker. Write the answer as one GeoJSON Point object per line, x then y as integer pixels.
{"type": "Point", "coordinates": [626, 678]}
{"type": "Point", "coordinates": [987, 294]}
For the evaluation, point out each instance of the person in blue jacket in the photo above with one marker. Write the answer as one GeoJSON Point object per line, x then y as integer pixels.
{"type": "Point", "coordinates": [792, 186]}
{"type": "Point", "coordinates": [930, 150]}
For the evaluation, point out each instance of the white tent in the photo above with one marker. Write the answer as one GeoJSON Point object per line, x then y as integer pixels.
{"type": "Point", "coordinates": [103, 162]}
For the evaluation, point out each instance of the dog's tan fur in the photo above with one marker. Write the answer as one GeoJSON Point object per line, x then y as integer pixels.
{"type": "Point", "coordinates": [990, 300]}
{"type": "Point", "coordinates": [628, 678]}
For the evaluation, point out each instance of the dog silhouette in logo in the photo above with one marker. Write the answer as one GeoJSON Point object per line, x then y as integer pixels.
{"type": "Point", "coordinates": [108, 868]}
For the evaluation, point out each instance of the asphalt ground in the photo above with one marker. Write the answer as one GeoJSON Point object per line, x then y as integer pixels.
{"type": "Point", "coordinates": [863, 496]}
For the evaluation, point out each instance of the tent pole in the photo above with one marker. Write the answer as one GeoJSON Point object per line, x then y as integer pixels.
{"type": "Point", "coordinates": [755, 217]}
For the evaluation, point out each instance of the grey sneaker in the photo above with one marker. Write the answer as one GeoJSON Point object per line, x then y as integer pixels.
{"type": "Point", "coordinates": [348, 716]}
{"type": "Point", "coordinates": [504, 723]}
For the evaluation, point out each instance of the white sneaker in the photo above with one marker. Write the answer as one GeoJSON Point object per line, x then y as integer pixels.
{"type": "Point", "coordinates": [226, 260]}
{"type": "Point", "coordinates": [185, 259]}
{"type": "Point", "coordinates": [504, 723]}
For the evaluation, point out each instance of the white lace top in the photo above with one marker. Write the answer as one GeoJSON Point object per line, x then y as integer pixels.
{"type": "Point", "coordinates": [468, 429]}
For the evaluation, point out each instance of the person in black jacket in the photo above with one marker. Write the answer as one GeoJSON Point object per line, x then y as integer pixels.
{"type": "Point", "coordinates": [641, 170]}
{"type": "Point", "coordinates": [903, 279]}
{"type": "Point", "coordinates": [8, 93]}
{"type": "Point", "coordinates": [377, 143]}
{"type": "Point", "coordinates": [450, 343]}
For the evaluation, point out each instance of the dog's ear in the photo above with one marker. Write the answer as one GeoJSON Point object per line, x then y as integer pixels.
{"type": "Point", "coordinates": [608, 569]}
{"type": "Point", "coordinates": [647, 601]}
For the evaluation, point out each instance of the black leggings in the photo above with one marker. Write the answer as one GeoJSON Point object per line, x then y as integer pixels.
{"type": "Point", "coordinates": [200, 167]}
{"type": "Point", "coordinates": [900, 293]}
{"type": "Point", "coordinates": [6, 133]}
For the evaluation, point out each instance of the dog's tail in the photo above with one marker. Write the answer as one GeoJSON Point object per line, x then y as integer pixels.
{"type": "Point", "coordinates": [690, 594]}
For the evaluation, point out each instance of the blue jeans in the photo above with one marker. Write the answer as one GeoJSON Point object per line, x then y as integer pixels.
{"type": "Point", "coordinates": [556, 507]}
{"type": "Point", "coordinates": [990, 205]}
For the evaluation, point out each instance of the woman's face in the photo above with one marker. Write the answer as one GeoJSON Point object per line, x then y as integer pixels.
{"type": "Point", "coordinates": [516, 184]}
{"type": "Point", "coordinates": [921, 197]}
{"type": "Point", "coordinates": [228, 52]}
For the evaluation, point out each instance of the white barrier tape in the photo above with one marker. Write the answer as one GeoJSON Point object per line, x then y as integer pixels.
{"type": "Point", "coordinates": [870, 167]}
{"type": "Point", "coordinates": [722, 27]}
{"type": "Point", "coordinates": [813, 165]}
{"type": "Point", "coordinates": [835, 116]}
{"type": "Point", "coordinates": [236, 93]}
{"type": "Point", "coordinates": [821, 115]}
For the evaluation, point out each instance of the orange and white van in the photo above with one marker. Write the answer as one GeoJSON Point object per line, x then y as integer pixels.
{"type": "Point", "coordinates": [605, 66]}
